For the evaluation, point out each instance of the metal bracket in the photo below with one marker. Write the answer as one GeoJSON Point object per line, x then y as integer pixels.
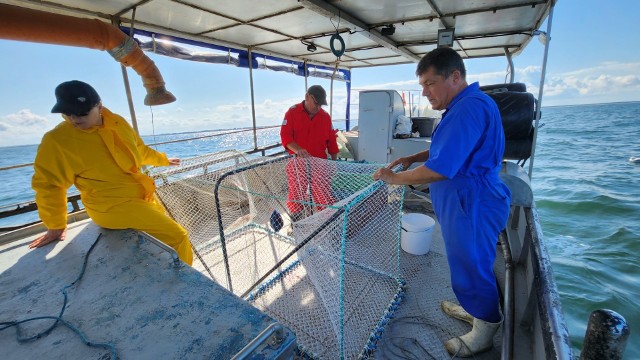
{"type": "Point", "coordinates": [163, 246]}
{"type": "Point", "coordinates": [274, 334]}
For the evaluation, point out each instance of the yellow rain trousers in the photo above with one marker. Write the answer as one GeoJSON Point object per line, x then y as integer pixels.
{"type": "Point", "coordinates": [104, 164]}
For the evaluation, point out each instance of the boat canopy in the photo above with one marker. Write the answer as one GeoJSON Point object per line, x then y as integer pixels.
{"type": "Point", "coordinates": [313, 32]}
{"type": "Point", "coordinates": [317, 38]}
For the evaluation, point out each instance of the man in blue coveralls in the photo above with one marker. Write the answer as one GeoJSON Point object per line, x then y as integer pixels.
{"type": "Point", "coordinates": [469, 199]}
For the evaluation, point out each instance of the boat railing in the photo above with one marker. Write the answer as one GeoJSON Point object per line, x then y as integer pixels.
{"type": "Point", "coordinates": [255, 150]}
{"type": "Point", "coordinates": [528, 273]}
{"type": "Point", "coordinates": [26, 207]}
{"type": "Point", "coordinates": [214, 135]}
{"type": "Point", "coordinates": [530, 296]}
{"type": "Point", "coordinates": [73, 198]}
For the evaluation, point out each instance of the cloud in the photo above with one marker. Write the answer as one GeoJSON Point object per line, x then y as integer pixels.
{"type": "Point", "coordinates": [487, 78]}
{"type": "Point", "coordinates": [603, 83]}
{"type": "Point", "coordinates": [411, 84]}
{"type": "Point", "coordinates": [607, 82]}
{"type": "Point", "coordinates": [223, 116]}
{"type": "Point", "coordinates": [23, 127]}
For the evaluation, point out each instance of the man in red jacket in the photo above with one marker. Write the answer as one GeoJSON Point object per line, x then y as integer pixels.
{"type": "Point", "coordinates": [307, 132]}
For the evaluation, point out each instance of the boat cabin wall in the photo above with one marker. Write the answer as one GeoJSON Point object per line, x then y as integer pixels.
{"type": "Point", "coordinates": [378, 114]}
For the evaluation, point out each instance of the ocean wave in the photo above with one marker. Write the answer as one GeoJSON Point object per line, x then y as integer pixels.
{"type": "Point", "coordinates": [600, 205]}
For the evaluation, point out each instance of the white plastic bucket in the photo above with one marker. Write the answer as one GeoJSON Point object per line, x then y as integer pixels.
{"type": "Point", "coordinates": [416, 233]}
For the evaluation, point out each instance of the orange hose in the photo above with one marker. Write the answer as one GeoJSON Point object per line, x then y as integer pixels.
{"type": "Point", "coordinates": [22, 24]}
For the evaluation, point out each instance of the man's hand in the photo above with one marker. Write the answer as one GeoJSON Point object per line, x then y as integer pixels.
{"type": "Point", "coordinates": [404, 161]}
{"type": "Point", "coordinates": [49, 236]}
{"type": "Point", "coordinates": [303, 153]}
{"type": "Point", "coordinates": [383, 174]}
{"type": "Point", "coordinates": [298, 150]}
{"type": "Point", "coordinates": [174, 161]}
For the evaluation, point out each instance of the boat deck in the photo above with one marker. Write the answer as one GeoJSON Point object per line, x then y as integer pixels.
{"type": "Point", "coordinates": [420, 328]}
{"type": "Point", "coordinates": [138, 301]}
{"type": "Point", "coordinates": [131, 296]}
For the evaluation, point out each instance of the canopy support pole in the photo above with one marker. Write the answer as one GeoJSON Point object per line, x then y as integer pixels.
{"type": "Point", "coordinates": [348, 110]}
{"type": "Point", "coordinates": [510, 63]}
{"type": "Point", "coordinates": [540, 92]}
{"type": "Point", "coordinates": [253, 104]}
{"type": "Point", "coordinates": [306, 75]}
{"type": "Point", "coordinates": [335, 69]}
{"type": "Point", "coordinates": [125, 79]}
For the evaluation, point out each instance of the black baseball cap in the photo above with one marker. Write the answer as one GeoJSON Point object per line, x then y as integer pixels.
{"type": "Point", "coordinates": [318, 93]}
{"type": "Point", "coordinates": [75, 98]}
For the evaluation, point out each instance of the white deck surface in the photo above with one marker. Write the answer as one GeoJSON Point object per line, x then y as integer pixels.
{"type": "Point", "coordinates": [131, 296]}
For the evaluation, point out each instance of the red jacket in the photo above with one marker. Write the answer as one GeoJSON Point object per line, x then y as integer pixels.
{"type": "Point", "coordinates": [314, 135]}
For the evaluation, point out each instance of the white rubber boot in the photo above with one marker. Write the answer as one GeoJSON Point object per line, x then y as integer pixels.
{"type": "Point", "coordinates": [478, 340]}
{"type": "Point", "coordinates": [456, 311]}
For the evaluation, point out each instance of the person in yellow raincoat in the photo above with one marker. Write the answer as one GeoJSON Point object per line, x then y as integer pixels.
{"type": "Point", "coordinates": [98, 152]}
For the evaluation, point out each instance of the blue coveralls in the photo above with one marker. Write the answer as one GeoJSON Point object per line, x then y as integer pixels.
{"type": "Point", "coordinates": [472, 204]}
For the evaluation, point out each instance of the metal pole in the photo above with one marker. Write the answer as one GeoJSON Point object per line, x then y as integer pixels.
{"type": "Point", "coordinates": [272, 335]}
{"type": "Point", "coordinates": [348, 114]}
{"type": "Point", "coordinates": [127, 87]}
{"type": "Point", "coordinates": [508, 307]}
{"type": "Point", "coordinates": [132, 111]}
{"type": "Point", "coordinates": [510, 61]}
{"type": "Point", "coordinates": [540, 91]}
{"type": "Point", "coordinates": [253, 105]}
{"type": "Point", "coordinates": [163, 246]}
{"type": "Point", "coordinates": [306, 74]}
{"type": "Point", "coordinates": [331, 91]}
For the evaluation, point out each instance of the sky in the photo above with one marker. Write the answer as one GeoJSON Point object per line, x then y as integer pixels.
{"type": "Point", "coordinates": [593, 57]}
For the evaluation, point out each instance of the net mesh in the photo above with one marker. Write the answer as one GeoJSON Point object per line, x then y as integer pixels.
{"type": "Point", "coordinates": [314, 243]}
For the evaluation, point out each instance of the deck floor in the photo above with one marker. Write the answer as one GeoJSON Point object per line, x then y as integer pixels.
{"type": "Point", "coordinates": [417, 330]}
{"type": "Point", "coordinates": [131, 296]}
{"type": "Point", "coordinates": [420, 328]}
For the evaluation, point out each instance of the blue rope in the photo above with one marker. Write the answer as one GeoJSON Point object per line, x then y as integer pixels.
{"type": "Point", "coordinates": [58, 319]}
{"type": "Point", "coordinates": [266, 286]}
{"type": "Point", "coordinates": [376, 334]}
{"type": "Point", "coordinates": [343, 250]}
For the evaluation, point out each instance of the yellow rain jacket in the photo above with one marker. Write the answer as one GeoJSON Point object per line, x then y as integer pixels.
{"type": "Point", "coordinates": [104, 164]}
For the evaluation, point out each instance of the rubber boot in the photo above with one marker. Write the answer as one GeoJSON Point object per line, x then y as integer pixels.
{"type": "Point", "coordinates": [478, 340]}
{"type": "Point", "coordinates": [456, 311]}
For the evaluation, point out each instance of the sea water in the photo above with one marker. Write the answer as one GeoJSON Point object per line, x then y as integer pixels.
{"type": "Point", "coordinates": [588, 196]}
{"type": "Point", "coordinates": [15, 184]}
{"type": "Point", "coordinates": [586, 191]}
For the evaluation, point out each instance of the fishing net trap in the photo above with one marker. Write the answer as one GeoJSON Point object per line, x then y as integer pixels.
{"type": "Point", "coordinates": [313, 243]}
